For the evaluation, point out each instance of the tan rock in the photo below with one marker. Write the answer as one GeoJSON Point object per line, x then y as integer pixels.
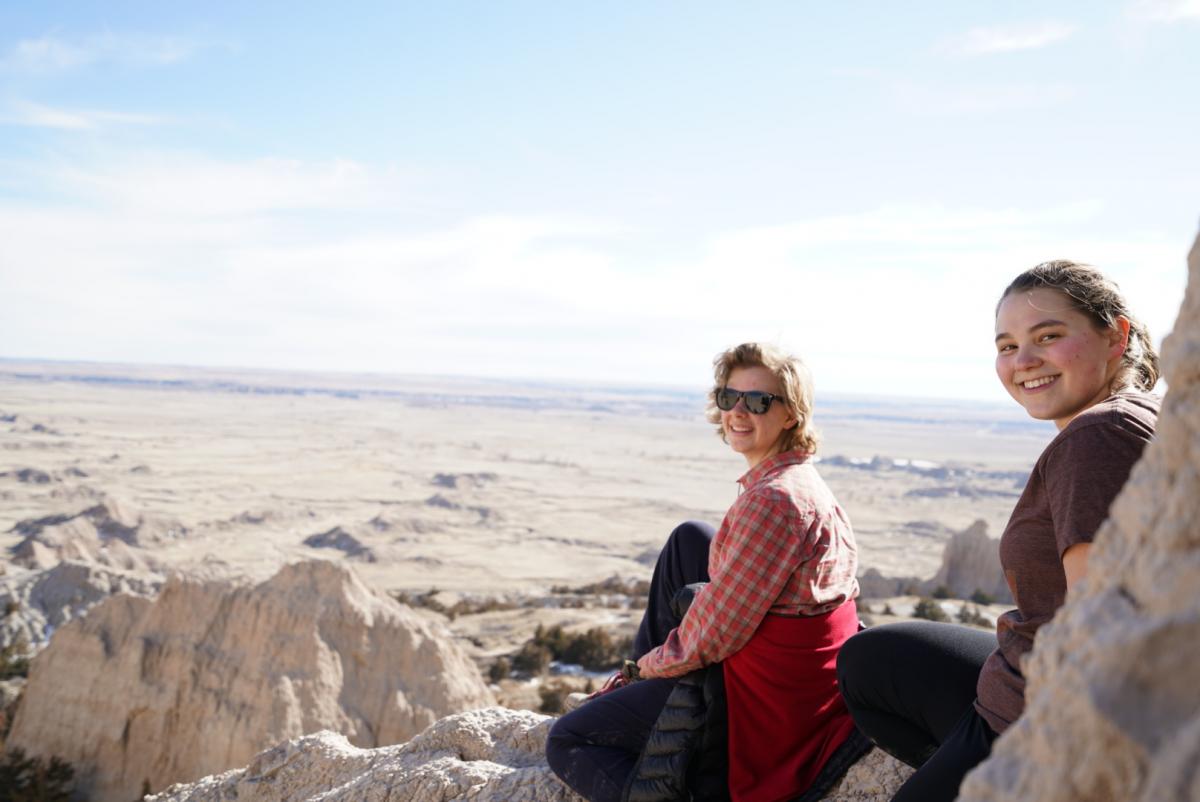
{"type": "Point", "coordinates": [1113, 705]}
{"type": "Point", "coordinates": [490, 755]}
{"type": "Point", "coordinates": [208, 674]}
{"type": "Point", "coordinates": [970, 562]}
{"type": "Point", "coordinates": [37, 603]}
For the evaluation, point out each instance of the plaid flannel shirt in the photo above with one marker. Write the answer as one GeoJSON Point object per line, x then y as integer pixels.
{"type": "Point", "coordinates": [785, 547]}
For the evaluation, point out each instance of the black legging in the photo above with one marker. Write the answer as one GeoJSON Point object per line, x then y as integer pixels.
{"type": "Point", "coordinates": [911, 689]}
{"type": "Point", "coordinates": [593, 748]}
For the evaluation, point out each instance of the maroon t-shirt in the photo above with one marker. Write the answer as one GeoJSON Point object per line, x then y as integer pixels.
{"type": "Point", "coordinates": [1067, 498]}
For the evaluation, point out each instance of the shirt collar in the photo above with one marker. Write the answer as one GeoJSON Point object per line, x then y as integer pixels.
{"type": "Point", "coordinates": [772, 465]}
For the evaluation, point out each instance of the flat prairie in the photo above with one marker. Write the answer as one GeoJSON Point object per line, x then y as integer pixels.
{"type": "Point", "coordinates": [473, 486]}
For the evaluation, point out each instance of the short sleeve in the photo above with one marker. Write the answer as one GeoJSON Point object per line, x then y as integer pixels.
{"type": "Point", "coordinates": [1084, 472]}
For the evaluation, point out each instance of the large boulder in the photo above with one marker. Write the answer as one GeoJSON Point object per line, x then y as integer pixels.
{"type": "Point", "coordinates": [205, 676]}
{"type": "Point", "coordinates": [1112, 707]}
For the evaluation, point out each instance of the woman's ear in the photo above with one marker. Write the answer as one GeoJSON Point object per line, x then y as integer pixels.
{"type": "Point", "coordinates": [1118, 337]}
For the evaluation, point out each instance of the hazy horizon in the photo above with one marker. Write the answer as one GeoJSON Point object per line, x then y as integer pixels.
{"type": "Point", "coordinates": [597, 193]}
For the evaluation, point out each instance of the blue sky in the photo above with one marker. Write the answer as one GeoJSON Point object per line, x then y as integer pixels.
{"type": "Point", "coordinates": [597, 192]}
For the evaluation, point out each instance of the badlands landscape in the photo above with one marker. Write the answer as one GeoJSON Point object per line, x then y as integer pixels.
{"type": "Point", "coordinates": [288, 586]}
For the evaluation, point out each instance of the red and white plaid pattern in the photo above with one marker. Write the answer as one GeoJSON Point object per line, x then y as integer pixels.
{"type": "Point", "coordinates": [784, 547]}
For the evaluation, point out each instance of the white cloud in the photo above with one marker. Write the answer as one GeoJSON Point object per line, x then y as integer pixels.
{"type": "Point", "coordinates": [1166, 10]}
{"type": "Point", "coordinates": [36, 115]}
{"type": "Point", "coordinates": [179, 258]}
{"type": "Point", "coordinates": [50, 54]}
{"type": "Point", "coordinates": [1010, 38]}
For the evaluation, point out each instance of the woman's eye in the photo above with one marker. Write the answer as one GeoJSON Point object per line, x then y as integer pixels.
{"type": "Point", "coordinates": [1004, 349]}
{"type": "Point", "coordinates": [1045, 338]}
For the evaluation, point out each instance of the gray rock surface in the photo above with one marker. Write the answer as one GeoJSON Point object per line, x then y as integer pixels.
{"type": "Point", "coordinates": [1113, 704]}
{"type": "Point", "coordinates": [206, 675]}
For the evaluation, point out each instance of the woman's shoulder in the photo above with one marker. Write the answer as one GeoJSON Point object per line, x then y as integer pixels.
{"type": "Point", "coordinates": [1120, 422]}
{"type": "Point", "coordinates": [797, 485]}
{"type": "Point", "coordinates": [1131, 411]}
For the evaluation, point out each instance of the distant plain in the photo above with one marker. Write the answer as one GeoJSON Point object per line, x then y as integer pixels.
{"type": "Point", "coordinates": [475, 486]}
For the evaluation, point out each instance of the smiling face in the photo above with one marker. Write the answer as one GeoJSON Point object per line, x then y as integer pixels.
{"type": "Point", "coordinates": [1051, 358]}
{"type": "Point", "coordinates": [755, 437]}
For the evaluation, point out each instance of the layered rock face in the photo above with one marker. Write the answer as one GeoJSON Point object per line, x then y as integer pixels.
{"type": "Point", "coordinates": [1113, 706]}
{"type": "Point", "coordinates": [200, 679]}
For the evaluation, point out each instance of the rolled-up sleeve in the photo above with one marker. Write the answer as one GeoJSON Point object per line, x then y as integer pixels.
{"type": "Point", "coordinates": [764, 538]}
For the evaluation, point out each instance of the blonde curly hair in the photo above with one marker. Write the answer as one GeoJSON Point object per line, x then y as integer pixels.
{"type": "Point", "coordinates": [795, 384]}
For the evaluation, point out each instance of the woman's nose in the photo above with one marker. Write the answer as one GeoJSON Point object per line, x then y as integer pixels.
{"type": "Point", "coordinates": [1027, 356]}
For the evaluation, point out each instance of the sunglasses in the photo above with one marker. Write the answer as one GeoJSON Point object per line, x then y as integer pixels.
{"type": "Point", "coordinates": [756, 402]}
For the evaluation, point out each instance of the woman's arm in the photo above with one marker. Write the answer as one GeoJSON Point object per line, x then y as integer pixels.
{"type": "Point", "coordinates": [1074, 562]}
{"type": "Point", "coordinates": [764, 539]}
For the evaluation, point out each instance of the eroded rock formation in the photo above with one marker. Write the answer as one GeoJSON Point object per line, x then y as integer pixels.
{"type": "Point", "coordinates": [205, 676]}
{"type": "Point", "coordinates": [107, 533]}
{"type": "Point", "coordinates": [37, 603]}
{"type": "Point", "coordinates": [1112, 705]}
{"type": "Point", "coordinates": [970, 563]}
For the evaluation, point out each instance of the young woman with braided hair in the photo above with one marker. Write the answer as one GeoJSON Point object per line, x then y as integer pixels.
{"type": "Point", "coordinates": [1068, 350]}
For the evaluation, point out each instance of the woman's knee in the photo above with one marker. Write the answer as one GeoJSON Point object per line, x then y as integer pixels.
{"type": "Point", "coordinates": [561, 739]}
{"type": "Point", "coordinates": [691, 536]}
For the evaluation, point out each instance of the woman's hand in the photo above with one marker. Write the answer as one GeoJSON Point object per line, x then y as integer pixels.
{"type": "Point", "coordinates": [625, 675]}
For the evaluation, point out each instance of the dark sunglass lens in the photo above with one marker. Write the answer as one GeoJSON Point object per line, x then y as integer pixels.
{"type": "Point", "coordinates": [726, 398]}
{"type": "Point", "coordinates": [758, 403]}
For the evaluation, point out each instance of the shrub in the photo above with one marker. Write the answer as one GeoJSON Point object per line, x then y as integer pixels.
{"type": "Point", "coordinates": [887, 609]}
{"type": "Point", "coordinates": [30, 779]}
{"type": "Point", "coordinates": [930, 610]}
{"type": "Point", "coordinates": [595, 650]}
{"type": "Point", "coordinates": [553, 697]}
{"type": "Point", "coordinates": [942, 592]}
{"type": "Point", "coordinates": [500, 669]}
{"type": "Point", "coordinates": [979, 597]}
{"type": "Point", "coordinates": [972, 616]}
{"type": "Point", "coordinates": [14, 659]}
{"type": "Point", "coordinates": [533, 658]}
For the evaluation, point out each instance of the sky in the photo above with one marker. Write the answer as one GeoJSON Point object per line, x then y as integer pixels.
{"type": "Point", "coordinates": [606, 193]}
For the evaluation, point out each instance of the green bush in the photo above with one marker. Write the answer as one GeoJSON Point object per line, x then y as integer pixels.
{"type": "Point", "coordinates": [14, 659]}
{"type": "Point", "coordinates": [533, 658]}
{"type": "Point", "coordinates": [979, 597]}
{"type": "Point", "coordinates": [972, 616]}
{"type": "Point", "coordinates": [930, 610]}
{"type": "Point", "coordinates": [942, 592]}
{"type": "Point", "coordinates": [30, 779]}
{"type": "Point", "coordinates": [595, 650]}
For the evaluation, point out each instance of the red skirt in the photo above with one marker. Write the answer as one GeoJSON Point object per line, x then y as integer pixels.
{"type": "Point", "coordinates": [786, 716]}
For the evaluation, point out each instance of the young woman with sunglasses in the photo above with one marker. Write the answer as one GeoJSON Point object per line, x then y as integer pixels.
{"type": "Point", "coordinates": [778, 604]}
{"type": "Point", "coordinates": [1067, 350]}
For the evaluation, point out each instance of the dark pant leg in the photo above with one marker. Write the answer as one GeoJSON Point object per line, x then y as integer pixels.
{"type": "Point", "coordinates": [593, 748]}
{"type": "Point", "coordinates": [968, 745]}
{"type": "Point", "coordinates": [682, 561]}
{"type": "Point", "coordinates": [907, 684]}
